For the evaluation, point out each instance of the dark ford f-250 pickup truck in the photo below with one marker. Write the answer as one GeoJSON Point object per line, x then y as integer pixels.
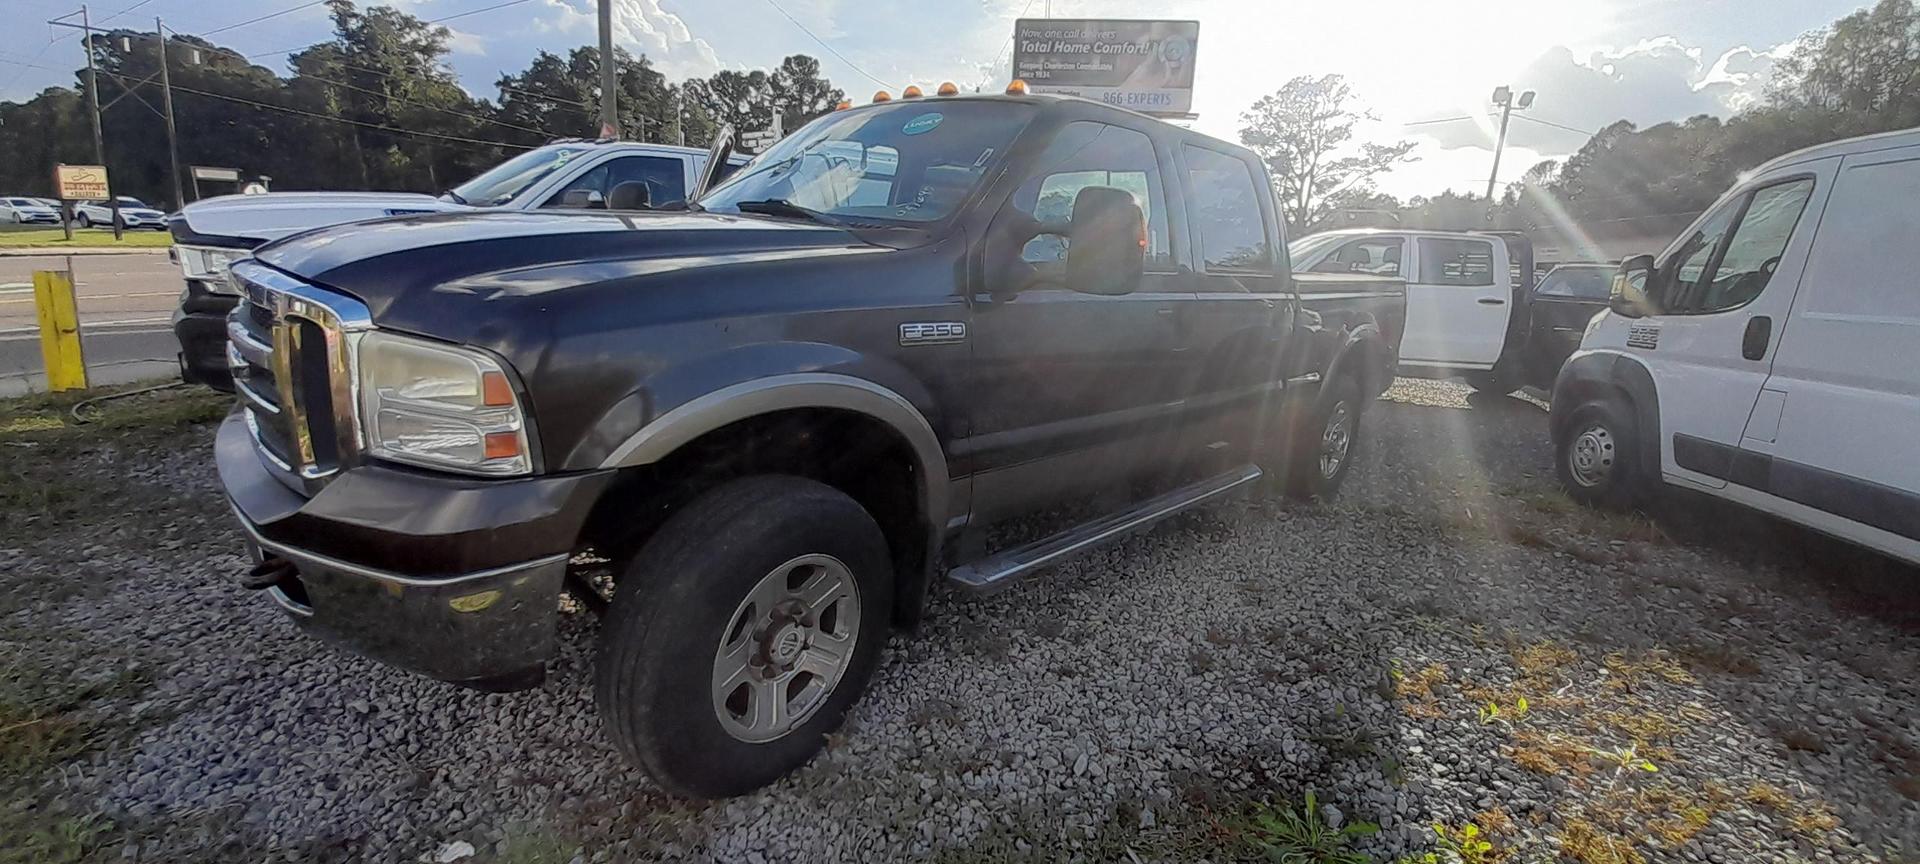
{"type": "Point", "coordinates": [779, 413]}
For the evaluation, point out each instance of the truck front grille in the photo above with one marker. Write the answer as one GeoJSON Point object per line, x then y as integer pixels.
{"type": "Point", "coordinates": [290, 347]}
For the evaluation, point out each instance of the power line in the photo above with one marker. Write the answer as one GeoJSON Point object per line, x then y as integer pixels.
{"type": "Point", "coordinates": [1440, 120]}
{"type": "Point", "coordinates": [823, 44]}
{"type": "Point", "coordinates": [29, 64]}
{"type": "Point", "coordinates": [289, 10]}
{"type": "Point", "coordinates": [475, 11]}
{"type": "Point", "coordinates": [394, 129]}
{"type": "Point", "coordinates": [1554, 125]}
{"type": "Point", "coordinates": [402, 99]}
{"type": "Point", "coordinates": [125, 11]}
{"type": "Point", "coordinates": [1009, 46]}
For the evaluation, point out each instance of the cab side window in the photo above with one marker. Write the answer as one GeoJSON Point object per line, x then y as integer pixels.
{"type": "Point", "coordinates": [1083, 154]}
{"type": "Point", "coordinates": [666, 181]}
{"type": "Point", "coordinates": [1378, 256]}
{"type": "Point", "coordinates": [1225, 204]}
{"type": "Point", "coordinates": [1730, 258]}
{"type": "Point", "coordinates": [1445, 261]}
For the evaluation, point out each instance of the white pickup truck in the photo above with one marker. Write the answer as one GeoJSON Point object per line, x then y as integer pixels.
{"type": "Point", "coordinates": [209, 235]}
{"type": "Point", "coordinates": [1474, 310]}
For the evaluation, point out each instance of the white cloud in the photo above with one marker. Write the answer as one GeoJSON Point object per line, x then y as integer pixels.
{"type": "Point", "coordinates": [640, 27]}
{"type": "Point", "coordinates": [462, 42]}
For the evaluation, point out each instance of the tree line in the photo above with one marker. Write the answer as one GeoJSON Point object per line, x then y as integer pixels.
{"type": "Point", "coordinates": [373, 107]}
{"type": "Point", "coordinates": [1859, 75]}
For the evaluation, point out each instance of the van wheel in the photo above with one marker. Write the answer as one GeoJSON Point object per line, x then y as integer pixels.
{"type": "Point", "coordinates": [1325, 443]}
{"type": "Point", "coordinates": [741, 632]}
{"type": "Point", "coordinates": [1595, 458]}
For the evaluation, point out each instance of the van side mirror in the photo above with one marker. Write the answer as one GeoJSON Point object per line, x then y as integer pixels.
{"type": "Point", "coordinates": [1628, 298]}
{"type": "Point", "coordinates": [1107, 247]}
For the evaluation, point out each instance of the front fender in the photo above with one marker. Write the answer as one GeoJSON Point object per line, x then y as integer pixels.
{"type": "Point", "coordinates": [1593, 374]}
{"type": "Point", "coordinates": [715, 390]}
{"type": "Point", "coordinates": [1364, 351]}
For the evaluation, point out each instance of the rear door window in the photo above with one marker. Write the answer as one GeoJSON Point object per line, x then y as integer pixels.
{"type": "Point", "coordinates": [1225, 205]}
{"type": "Point", "coordinates": [1377, 256]}
{"type": "Point", "coordinates": [1450, 261]}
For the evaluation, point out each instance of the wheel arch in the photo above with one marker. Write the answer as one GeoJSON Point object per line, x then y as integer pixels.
{"type": "Point", "coordinates": [1364, 352]}
{"type": "Point", "coordinates": [799, 411]}
{"type": "Point", "coordinates": [1593, 375]}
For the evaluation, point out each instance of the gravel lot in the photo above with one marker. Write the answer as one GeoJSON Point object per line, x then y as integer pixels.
{"type": "Point", "coordinates": [1720, 688]}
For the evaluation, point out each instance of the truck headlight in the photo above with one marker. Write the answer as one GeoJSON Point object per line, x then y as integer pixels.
{"type": "Point", "coordinates": [210, 264]}
{"type": "Point", "coordinates": [440, 406]}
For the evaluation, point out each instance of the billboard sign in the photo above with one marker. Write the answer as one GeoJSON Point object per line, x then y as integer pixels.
{"type": "Point", "coordinates": [80, 182]}
{"type": "Point", "coordinates": [1146, 66]}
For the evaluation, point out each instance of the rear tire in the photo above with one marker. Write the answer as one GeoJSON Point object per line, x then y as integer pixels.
{"type": "Point", "coordinates": [741, 632]}
{"type": "Point", "coordinates": [84, 221]}
{"type": "Point", "coordinates": [1595, 459]}
{"type": "Point", "coordinates": [1325, 443]}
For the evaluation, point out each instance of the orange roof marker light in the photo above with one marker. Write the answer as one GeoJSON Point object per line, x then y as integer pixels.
{"type": "Point", "coordinates": [844, 105]}
{"type": "Point", "coordinates": [912, 92]}
{"type": "Point", "coordinates": [882, 96]}
{"type": "Point", "coordinates": [1016, 87]}
{"type": "Point", "coordinates": [947, 89]}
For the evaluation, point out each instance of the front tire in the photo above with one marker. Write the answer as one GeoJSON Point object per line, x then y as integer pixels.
{"type": "Point", "coordinates": [1594, 460]}
{"type": "Point", "coordinates": [1325, 443]}
{"type": "Point", "coordinates": [84, 221]}
{"type": "Point", "coordinates": [741, 632]}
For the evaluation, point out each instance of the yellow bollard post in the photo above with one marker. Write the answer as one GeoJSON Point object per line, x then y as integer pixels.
{"type": "Point", "coordinates": [59, 330]}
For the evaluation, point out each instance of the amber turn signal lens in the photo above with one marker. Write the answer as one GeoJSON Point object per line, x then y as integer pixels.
{"type": "Point", "coordinates": [502, 445]}
{"type": "Point", "coordinates": [495, 392]}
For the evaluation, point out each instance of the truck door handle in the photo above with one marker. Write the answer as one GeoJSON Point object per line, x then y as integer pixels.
{"type": "Point", "coordinates": [1491, 301]}
{"type": "Point", "coordinates": [1753, 344]}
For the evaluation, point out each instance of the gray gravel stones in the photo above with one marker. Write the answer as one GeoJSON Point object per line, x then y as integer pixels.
{"type": "Point", "coordinates": [1248, 652]}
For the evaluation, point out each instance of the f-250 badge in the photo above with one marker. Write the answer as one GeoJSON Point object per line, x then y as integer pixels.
{"type": "Point", "coordinates": [932, 332]}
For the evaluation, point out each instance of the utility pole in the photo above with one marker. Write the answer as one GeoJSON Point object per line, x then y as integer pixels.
{"type": "Point", "coordinates": [609, 76]}
{"type": "Point", "coordinates": [1503, 97]}
{"type": "Point", "coordinates": [93, 97]}
{"type": "Point", "coordinates": [166, 97]}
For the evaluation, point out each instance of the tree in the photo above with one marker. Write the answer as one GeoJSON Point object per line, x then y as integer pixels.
{"type": "Point", "coordinates": [1304, 132]}
{"type": "Point", "coordinates": [1866, 62]}
{"type": "Point", "coordinates": [800, 93]}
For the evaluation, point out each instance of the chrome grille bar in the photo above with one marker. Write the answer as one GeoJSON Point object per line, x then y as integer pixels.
{"type": "Point", "coordinates": [290, 345]}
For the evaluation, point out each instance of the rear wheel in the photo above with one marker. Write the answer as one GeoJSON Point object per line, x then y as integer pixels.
{"type": "Point", "coordinates": [741, 632]}
{"type": "Point", "coordinates": [1595, 460]}
{"type": "Point", "coordinates": [84, 221]}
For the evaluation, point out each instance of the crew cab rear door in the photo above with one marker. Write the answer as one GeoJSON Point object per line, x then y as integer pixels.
{"type": "Point", "coordinates": [1459, 294]}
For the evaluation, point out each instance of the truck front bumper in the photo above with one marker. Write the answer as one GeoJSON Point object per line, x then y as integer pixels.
{"type": "Point", "coordinates": [451, 578]}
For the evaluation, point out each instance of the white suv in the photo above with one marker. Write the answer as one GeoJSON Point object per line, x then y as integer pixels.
{"type": "Point", "coordinates": [1771, 355]}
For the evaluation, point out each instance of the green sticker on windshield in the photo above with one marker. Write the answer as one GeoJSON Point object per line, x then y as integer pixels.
{"type": "Point", "coordinates": [922, 123]}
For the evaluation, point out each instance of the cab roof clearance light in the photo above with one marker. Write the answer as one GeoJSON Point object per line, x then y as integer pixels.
{"type": "Point", "coordinates": [1016, 87]}
{"type": "Point", "coordinates": [844, 105]}
{"type": "Point", "coordinates": [947, 89]}
{"type": "Point", "coordinates": [912, 92]}
{"type": "Point", "coordinates": [882, 96]}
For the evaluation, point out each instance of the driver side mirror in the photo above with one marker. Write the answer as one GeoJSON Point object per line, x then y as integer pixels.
{"type": "Point", "coordinates": [583, 199]}
{"type": "Point", "coordinates": [1629, 295]}
{"type": "Point", "coordinates": [1108, 242]}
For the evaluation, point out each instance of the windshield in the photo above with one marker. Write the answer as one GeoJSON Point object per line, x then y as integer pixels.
{"type": "Point", "coordinates": [504, 182]}
{"type": "Point", "coordinates": [912, 162]}
{"type": "Point", "coordinates": [1306, 247]}
{"type": "Point", "coordinates": [131, 202]}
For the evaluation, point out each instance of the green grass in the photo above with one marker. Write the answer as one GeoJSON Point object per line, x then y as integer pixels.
{"type": "Point", "coordinates": [36, 237]}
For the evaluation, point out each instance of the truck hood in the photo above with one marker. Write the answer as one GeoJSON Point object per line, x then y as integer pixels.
{"type": "Point", "coordinates": [259, 218]}
{"type": "Point", "coordinates": [483, 275]}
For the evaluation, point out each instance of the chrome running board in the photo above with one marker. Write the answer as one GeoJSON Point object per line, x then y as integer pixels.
{"type": "Point", "coordinates": [1000, 570]}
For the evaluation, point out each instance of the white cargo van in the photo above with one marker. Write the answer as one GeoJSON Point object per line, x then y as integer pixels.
{"type": "Point", "coordinates": [1771, 355]}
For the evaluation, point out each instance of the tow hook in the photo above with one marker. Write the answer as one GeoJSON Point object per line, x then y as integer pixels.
{"type": "Point", "coordinates": [269, 572]}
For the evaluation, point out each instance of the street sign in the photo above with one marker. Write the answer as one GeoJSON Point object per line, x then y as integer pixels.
{"type": "Point", "coordinates": [1146, 66]}
{"type": "Point", "coordinates": [209, 172]}
{"type": "Point", "coordinates": [80, 182]}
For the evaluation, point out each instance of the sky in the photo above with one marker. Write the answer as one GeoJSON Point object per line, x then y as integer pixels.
{"type": "Point", "coordinates": [1590, 61]}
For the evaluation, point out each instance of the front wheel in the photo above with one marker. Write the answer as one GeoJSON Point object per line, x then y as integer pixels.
{"type": "Point", "coordinates": [84, 221]}
{"type": "Point", "coordinates": [1325, 443]}
{"type": "Point", "coordinates": [741, 632]}
{"type": "Point", "coordinates": [1594, 460]}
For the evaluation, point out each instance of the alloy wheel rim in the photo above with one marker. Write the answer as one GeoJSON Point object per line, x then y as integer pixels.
{"type": "Point", "coordinates": [785, 648]}
{"type": "Point", "coordinates": [1336, 440]}
{"type": "Point", "coordinates": [1591, 458]}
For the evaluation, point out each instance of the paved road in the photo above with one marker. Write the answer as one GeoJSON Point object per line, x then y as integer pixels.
{"type": "Point", "coordinates": [124, 302]}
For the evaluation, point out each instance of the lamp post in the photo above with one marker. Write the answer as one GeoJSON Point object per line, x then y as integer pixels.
{"type": "Point", "coordinates": [1503, 97]}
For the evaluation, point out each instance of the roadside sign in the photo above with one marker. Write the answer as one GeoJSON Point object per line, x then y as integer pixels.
{"type": "Point", "coordinates": [209, 172]}
{"type": "Point", "coordinates": [80, 182]}
{"type": "Point", "coordinates": [1146, 66]}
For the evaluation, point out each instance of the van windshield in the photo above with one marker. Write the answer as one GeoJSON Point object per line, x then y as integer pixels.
{"type": "Point", "coordinates": [912, 162]}
{"type": "Point", "coordinates": [504, 182]}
